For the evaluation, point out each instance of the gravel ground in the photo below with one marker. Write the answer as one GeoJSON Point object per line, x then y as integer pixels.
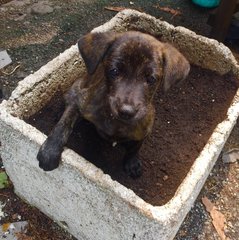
{"type": "Point", "coordinates": [32, 37]}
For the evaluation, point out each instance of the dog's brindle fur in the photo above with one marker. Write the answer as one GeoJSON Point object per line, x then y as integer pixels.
{"type": "Point", "coordinates": [124, 72]}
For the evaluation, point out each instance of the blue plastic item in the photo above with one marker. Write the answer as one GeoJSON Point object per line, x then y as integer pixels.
{"type": "Point", "coordinates": [207, 3]}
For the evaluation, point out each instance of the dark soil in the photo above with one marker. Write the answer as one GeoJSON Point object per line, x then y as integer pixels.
{"type": "Point", "coordinates": [186, 117]}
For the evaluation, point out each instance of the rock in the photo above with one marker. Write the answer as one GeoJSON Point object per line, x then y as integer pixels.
{"type": "Point", "coordinates": [165, 177]}
{"type": "Point", "coordinates": [4, 59]}
{"type": "Point", "coordinates": [231, 156]}
{"type": "Point", "coordinates": [17, 3]}
{"type": "Point", "coordinates": [14, 231]}
{"type": "Point", "coordinates": [21, 74]}
{"type": "Point", "coordinates": [41, 8]}
{"type": "Point", "coordinates": [1, 210]}
{"type": "Point", "coordinates": [20, 17]}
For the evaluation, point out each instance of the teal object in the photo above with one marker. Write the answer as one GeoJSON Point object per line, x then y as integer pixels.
{"type": "Point", "coordinates": [207, 3]}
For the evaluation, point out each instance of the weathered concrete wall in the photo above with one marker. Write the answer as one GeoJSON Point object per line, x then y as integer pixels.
{"type": "Point", "coordinates": [77, 195]}
{"type": "Point", "coordinates": [56, 76]}
{"type": "Point", "coordinates": [199, 50]}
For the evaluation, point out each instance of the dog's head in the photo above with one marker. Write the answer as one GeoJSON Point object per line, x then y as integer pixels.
{"type": "Point", "coordinates": [135, 65]}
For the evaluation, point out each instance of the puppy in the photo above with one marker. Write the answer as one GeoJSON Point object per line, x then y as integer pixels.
{"type": "Point", "coordinates": [124, 70]}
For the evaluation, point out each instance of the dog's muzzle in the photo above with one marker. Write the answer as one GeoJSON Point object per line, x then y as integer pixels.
{"type": "Point", "coordinates": [127, 112]}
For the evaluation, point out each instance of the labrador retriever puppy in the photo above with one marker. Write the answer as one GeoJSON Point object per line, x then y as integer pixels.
{"type": "Point", "coordinates": [124, 70]}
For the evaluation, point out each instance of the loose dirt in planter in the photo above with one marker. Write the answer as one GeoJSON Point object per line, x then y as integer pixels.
{"type": "Point", "coordinates": [186, 117]}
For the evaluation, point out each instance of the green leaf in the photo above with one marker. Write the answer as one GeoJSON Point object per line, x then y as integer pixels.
{"type": "Point", "coordinates": [3, 180]}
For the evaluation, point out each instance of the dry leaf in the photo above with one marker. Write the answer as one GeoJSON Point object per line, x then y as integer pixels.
{"type": "Point", "coordinates": [119, 9]}
{"type": "Point", "coordinates": [115, 9]}
{"type": "Point", "coordinates": [218, 219]}
{"type": "Point", "coordinates": [5, 226]}
{"type": "Point", "coordinates": [172, 11]}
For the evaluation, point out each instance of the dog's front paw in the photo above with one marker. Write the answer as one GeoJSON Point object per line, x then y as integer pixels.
{"type": "Point", "coordinates": [48, 157]}
{"type": "Point", "coordinates": [133, 167]}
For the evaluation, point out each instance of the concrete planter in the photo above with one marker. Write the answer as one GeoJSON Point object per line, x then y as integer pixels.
{"type": "Point", "coordinates": [79, 196]}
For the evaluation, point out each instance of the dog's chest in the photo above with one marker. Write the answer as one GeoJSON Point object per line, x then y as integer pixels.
{"type": "Point", "coordinates": [114, 130]}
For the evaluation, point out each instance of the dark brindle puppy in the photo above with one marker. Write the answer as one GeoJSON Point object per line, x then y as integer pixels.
{"type": "Point", "coordinates": [124, 72]}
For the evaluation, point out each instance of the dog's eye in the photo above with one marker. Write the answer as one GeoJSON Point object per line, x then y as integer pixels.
{"type": "Point", "coordinates": [151, 80]}
{"type": "Point", "coordinates": [114, 73]}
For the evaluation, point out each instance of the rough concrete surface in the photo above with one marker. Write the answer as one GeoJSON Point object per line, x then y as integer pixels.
{"type": "Point", "coordinates": [32, 47]}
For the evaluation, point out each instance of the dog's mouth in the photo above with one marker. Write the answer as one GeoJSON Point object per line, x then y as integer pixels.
{"type": "Point", "coordinates": [127, 121]}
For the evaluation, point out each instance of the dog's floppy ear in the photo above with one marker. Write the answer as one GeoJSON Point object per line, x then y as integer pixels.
{"type": "Point", "coordinates": [93, 47]}
{"type": "Point", "coordinates": [176, 66]}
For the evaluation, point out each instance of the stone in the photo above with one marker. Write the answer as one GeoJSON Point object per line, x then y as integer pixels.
{"type": "Point", "coordinates": [41, 8]}
{"type": "Point", "coordinates": [18, 3]}
{"type": "Point", "coordinates": [231, 156]}
{"type": "Point", "coordinates": [4, 59]}
{"type": "Point", "coordinates": [13, 231]}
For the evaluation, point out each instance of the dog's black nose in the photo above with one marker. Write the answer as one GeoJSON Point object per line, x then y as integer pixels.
{"type": "Point", "coordinates": [126, 112]}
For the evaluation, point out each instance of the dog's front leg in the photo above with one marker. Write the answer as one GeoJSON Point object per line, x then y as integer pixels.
{"type": "Point", "coordinates": [50, 152]}
{"type": "Point", "coordinates": [132, 163]}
